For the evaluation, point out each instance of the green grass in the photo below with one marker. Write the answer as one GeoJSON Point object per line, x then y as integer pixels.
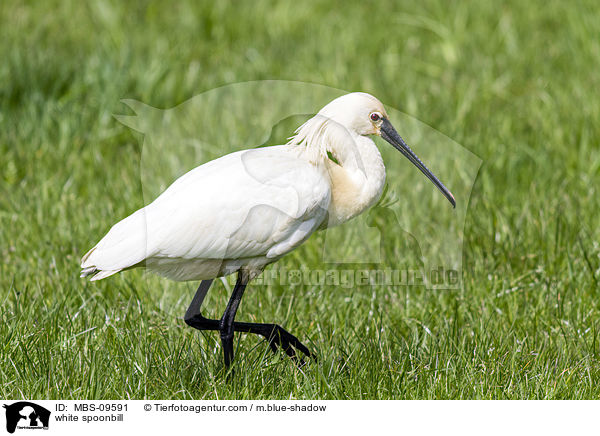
{"type": "Point", "coordinates": [514, 83]}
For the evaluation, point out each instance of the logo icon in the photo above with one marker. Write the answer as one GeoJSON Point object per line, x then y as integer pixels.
{"type": "Point", "coordinates": [26, 415]}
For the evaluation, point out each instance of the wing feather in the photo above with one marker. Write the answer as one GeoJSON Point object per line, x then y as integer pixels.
{"type": "Point", "coordinates": [260, 202]}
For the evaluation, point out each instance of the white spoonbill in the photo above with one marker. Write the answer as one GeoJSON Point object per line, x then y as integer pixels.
{"type": "Point", "coordinates": [245, 210]}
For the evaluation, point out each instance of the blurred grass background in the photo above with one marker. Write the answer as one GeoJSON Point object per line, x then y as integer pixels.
{"type": "Point", "coordinates": [516, 83]}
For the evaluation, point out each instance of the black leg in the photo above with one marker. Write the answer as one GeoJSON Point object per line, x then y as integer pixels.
{"type": "Point", "coordinates": [273, 333]}
{"type": "Point", "coordinates": [194, 309]}
{"type": "Point", "coordinates": [226, 324]}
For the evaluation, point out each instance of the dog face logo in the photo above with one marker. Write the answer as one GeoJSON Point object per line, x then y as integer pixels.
{"type": "Point", "coordinates": [26, 415]}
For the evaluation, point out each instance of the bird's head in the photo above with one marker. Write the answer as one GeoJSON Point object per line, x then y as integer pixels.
{"type": "Point", "coordinates": [362, 114]}
{"type": "Point", "coordinates": [359, 112]}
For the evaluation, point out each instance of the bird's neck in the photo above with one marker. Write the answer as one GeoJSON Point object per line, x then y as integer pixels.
{"type": "Point", "coordinates": [357, 181]}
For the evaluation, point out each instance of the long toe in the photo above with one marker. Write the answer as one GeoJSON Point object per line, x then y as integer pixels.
{"type": "Point", "coordinates": [281, 338]}
{"type": "Point", "coordinates": [293, 340]}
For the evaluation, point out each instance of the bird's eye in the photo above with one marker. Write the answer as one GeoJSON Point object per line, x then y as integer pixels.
{"type": "Point", "coordinates": [375, 116]}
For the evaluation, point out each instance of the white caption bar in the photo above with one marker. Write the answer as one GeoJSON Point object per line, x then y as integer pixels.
{"type": "Point", "coordinates": [247, 418]}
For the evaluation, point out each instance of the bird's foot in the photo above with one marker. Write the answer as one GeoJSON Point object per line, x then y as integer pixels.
{"type": "Point", "coordinates": [278, 337]}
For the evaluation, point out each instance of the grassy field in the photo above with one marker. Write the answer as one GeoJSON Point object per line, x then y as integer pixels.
{"type": "Point", "coordinates": [514, 83]}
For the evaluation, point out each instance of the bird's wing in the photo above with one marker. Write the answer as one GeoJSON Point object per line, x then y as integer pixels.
{"type": "Point", "coordinates": [260, 202]}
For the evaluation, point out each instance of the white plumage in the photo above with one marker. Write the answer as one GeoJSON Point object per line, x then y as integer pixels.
{"type": "Point", "coordinates": [249, 208]}
{"type": "Point", "coordinates": [253, 205]}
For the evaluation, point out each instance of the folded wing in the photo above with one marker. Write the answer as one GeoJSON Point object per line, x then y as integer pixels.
{"type": "Point", "coordinates": [260, 202]}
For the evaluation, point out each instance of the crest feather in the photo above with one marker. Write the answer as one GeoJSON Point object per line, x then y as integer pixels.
{"type": "Point", "coordinates": [318, 136]}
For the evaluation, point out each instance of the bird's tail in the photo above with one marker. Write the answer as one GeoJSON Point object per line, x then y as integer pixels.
{"type": "Point", "coordinates": [88, 270]}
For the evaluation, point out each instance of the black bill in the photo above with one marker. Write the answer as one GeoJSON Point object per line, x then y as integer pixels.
{"type": "Point", "coordinates": [390, 135]}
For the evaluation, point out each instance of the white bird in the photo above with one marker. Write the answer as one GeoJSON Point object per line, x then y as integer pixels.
{"type": "Point", "coordinates": [247, 209]}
